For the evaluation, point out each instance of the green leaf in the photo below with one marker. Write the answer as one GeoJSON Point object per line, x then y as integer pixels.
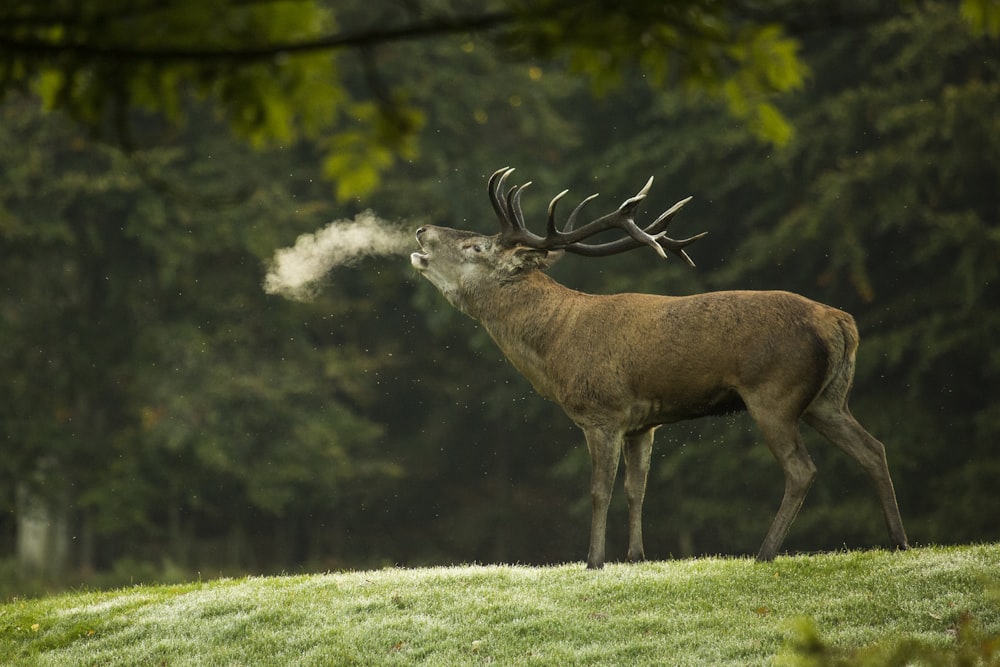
{"type": "Point", "coordinates": [983, 16]}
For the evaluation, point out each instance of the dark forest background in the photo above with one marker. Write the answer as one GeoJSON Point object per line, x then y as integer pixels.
{"type": "Point", "coordinates": [162, 417]}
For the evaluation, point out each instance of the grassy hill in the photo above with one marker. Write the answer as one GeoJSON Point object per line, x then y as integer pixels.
{"type": "Point", "coordinates": [707, 611]}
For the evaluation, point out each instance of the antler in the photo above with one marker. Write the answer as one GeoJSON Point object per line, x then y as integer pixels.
{"type": "Point", "coordinates": [513, 230]}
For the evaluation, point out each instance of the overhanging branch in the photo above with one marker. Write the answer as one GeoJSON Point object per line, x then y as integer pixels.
{"type": "Point", "coordinates": [360, 39]}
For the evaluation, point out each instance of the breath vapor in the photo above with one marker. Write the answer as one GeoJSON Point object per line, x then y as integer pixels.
{"type": "Point", "coordinates": [296, 272]}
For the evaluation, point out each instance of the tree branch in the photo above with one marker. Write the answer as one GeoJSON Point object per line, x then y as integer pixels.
{"type": "Point", "coordinates": [364, 38]}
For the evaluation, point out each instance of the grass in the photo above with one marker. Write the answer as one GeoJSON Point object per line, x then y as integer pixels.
{"type": "Point", "coordinates": [707, 611]}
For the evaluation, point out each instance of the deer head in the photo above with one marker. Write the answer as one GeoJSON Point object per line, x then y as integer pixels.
{"type": "Point", "coordinates": [461, 263]}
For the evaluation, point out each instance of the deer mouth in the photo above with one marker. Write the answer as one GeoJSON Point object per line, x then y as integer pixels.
{"type": "Point", "coordinates": [419, 259]}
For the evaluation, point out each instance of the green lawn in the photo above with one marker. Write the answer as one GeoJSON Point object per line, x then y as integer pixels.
{"type": "Point", "coordinates": [706, 611]}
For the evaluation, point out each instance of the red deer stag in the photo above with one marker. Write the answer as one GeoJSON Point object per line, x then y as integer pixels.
{"type": "Point", "coordinates": [622, 365]}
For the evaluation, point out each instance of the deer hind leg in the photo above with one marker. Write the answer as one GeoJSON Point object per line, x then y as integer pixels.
{"type": "Point", "coordinates": [832, 419]}
{"type": "Point", "coordinates": [637, 450]}
{"type": "Point", "coordinates": [785, 442]}
{"type": "Point", "coordinates": [605, 452]}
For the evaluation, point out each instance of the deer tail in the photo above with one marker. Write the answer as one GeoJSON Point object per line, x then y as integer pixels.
{"type": "Point", "coordinates": [842, 350]}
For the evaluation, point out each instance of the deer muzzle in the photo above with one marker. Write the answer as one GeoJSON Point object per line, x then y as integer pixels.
{"type": "Point", "coordinates": [419, 259]}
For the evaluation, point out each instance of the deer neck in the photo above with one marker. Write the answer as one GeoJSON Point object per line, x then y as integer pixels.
{"type": "Point", "coordinates": [525, 317]}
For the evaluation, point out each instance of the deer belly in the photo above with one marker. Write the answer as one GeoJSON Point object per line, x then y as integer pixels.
{"type": "Point", "coordinates": [719, 402]}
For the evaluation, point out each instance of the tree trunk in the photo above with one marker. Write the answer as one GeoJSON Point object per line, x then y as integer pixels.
{"type": "Point", "coordinates": [42, 533]}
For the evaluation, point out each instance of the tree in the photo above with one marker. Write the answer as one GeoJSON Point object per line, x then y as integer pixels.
{"type": "Point", "coordinates": [152, 386]}
{"type": "Point", "coordinates": [274, 68]}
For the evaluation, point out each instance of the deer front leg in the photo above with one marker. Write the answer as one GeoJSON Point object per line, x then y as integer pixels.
{"type": "Point", "coordinates": [605, 451]}
{"type": "Point", "coordinates": [637, 450]}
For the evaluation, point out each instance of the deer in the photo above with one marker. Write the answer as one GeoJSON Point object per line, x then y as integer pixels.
{"type": "Point", "coordinates": [623, 365]}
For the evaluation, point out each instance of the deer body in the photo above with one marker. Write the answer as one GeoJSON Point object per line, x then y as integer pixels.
{"type": "Point", "coordinates": [622, 365]}
{"type": "Point", "coordinates": [655, 365]}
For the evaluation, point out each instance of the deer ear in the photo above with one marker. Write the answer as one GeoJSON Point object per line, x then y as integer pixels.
{"type": "Point", "coordinates": [551, 257]}
{"type": "Point", "coordinates": [526, 258]}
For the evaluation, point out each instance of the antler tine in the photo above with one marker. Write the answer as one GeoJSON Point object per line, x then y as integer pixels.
{"type": "Point", "coordinates": [655, 229]}
{"type": "Point", "coordinates": [508, 210]}
{"type": "Point", "coordinates": [495, 189]}
{"type": "Point", "coordinates": [623, 245]}
{"type": "Point", "coordinates": [653, 235]}
{"type": "Point", "coordinates": [571, 221]}
{"type": "Point", "coordinates": [639, 196]}
{"type": "Point", "coordinates": [620, 218]}
{"type": "Point", "coordinates": [664, 218]}
{"type": "Point", "coordinates": [551, 224]}
{"type": "Point", "coordinates": [495, 176]}
{"type": "Point", "coordinates": [514, 205]}
{"type": "Point", "coordinates": [677, 247]}
{"type": "Point", "coordinates": [506, 204]}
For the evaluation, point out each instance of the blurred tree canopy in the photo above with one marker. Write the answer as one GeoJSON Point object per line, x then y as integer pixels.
{"type": "Point", "coordinates": [276, 70]}
{"type": "Point", "coordinates": [159, 407]}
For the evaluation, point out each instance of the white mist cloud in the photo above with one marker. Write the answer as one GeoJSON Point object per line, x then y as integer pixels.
{"type": "Point", "coordinates": [295, 272]}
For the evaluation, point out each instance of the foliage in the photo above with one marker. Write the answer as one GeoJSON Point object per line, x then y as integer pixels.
{"type": "Point", "coordinates": [983, 16]}
{"type": "Point", "coordinates": [99, 60]}
{"type": "Point", "coordinates": [706, 611]}
{"type": "Point", "coordinates": [695, 45]}
{"type": "Point", "coordinates": [971, 646]}
{"type": "Point", "coordinates": [162, 423]}
{"type": "Point", "coordinates": [273, 68]}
